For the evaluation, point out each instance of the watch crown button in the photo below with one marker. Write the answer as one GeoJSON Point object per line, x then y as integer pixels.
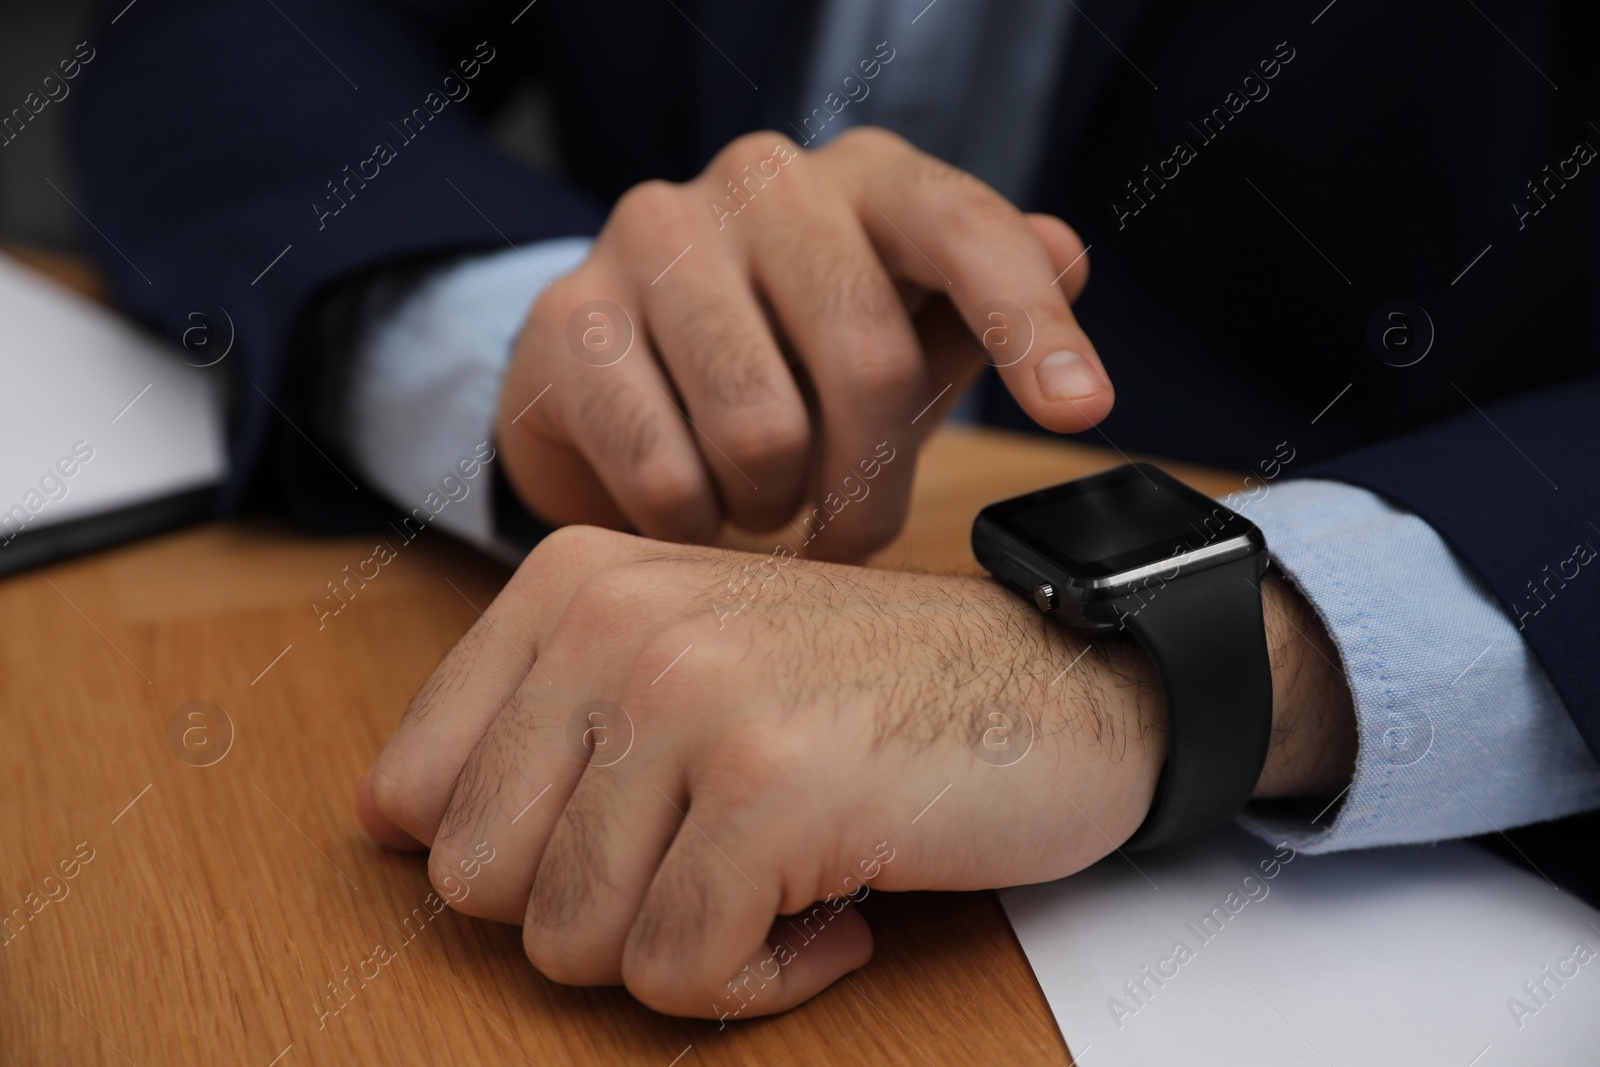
{"type": "Point", "coordinates": [1044, 596]}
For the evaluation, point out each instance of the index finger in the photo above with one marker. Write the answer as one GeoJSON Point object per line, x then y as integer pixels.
{"type": "Point", "coordinates": [946, 231]}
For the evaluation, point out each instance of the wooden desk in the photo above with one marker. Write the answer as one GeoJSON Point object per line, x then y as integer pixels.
{"type": "Point", "coordinates": [219, 901]}
{"type": "Point", "coordinates": [74, 272]}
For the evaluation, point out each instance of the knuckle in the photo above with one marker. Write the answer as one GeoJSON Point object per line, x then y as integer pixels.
{"type": "Point", "coordinates": [766, 435]}
{"type": "Point", "coordinates": [558, 952]}
{"type": "Point", "coordinates": [398, 804]}
{"type": "Point", "coordinates": [872, 139]}
{"type": "Point", "coordinates": [748, 757]}
{"type": "Point", "coordinates": [565, 930]}
{"type": "Point", "coordinates": [465, 880]}
{"type": "Point", "coordinates": [734, 376]}
{"type": "Point", "coordinates": [560, 551]}
{"type": "Point", "coordinates": [608, 598]}
{"type": "Point", "coordinates": [729, 355]}
{"type": "Point", "coordinates": [932, 174]}
{"type": "Point", "coordinates": [649, 205]}
{"type": "Point", "coordinates": [448, 882]}
{"type": "Point", "coordinates": [545, 327]}
{"type": "Point", "coordinates": [651, 220]}
{"type": "Point", "coordinates": [747, 149]}
{"type": "Point", "coordinates": [402, 762]}
{"type": "Point", "coordinates": [546, 950]}
{"type": "Point", "coordinates": [568, 874]}
{"type": "Point", "coordinates": [861, 298]}
{"type": "Point", "coordinates": [670, 488]}
{"type": "Point", "coordinates": [476, 787]}
{"type": "Point", "coordinates": [844, 283]}
{"type": "Point", "coordinates": [973, 210]}
{"type": "Point", "coordinates": [739, 150]}
{"type": "Point", "coordinates": [665, 669]}
{"type": "Point", "coordinates": [853, 294]}
{"type": "Point", "coordinates": [559, 299]}
{"type": "Point", "coordinates": [883, 372]}
{"type": "Point", "coordinates": [563, 544]}
{"type": "Point", "coordinates": [657, 987]}
{"type": "Point", "coordinates": [658, 481]}
{"type": "Point", "coordinates": [661, 964]}
{"type": "Point", "coordinates": [620, 422]}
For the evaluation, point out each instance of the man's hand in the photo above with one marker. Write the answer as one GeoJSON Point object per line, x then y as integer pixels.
{"type": "Point", "coordinates": [735, 346]}
{"type": "Point", "coordinates": [662, 778]}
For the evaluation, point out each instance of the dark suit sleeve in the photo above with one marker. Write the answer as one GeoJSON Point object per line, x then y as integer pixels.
{"type": "Point", "coordinates": [213, 139]}
{"type": "Point", "coordinates": [1514, 487]}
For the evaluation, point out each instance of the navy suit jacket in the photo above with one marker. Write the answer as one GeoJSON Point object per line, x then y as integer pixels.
{"type": "Point", "coordinates": [1258, 181]}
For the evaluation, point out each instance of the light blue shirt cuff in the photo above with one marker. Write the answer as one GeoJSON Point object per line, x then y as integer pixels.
{"type": "Point", "coordinates": [1461, 732]}
{"type": "Point", "coordinates": [426, 377]}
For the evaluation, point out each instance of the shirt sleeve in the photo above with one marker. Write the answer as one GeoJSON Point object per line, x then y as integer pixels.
{"type": "Point", "coordinates": [1460, 731]}
{"type": "Point", "coordinates": [426, 372]}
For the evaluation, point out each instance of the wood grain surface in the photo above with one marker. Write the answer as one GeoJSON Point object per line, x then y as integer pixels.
{"type": "Point", "coordinates": [74, 272]}
{"type": "Point", "coordinates": [218, 913]}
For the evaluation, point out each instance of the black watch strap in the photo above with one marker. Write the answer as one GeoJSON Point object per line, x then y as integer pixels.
{"type": "Point", "coordinates": [1204, 631]}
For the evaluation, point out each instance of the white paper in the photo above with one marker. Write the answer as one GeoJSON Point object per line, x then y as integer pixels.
{"type": "Point", "coordinates": [71, 369]}
{"type": "Point", "coordinates": [1413, 955]}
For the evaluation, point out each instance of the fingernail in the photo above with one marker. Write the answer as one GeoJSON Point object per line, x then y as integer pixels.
{"type": "Point", "coordinates": [1068, 376]}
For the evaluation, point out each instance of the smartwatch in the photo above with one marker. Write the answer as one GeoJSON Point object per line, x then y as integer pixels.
{"type": "Point", "coordinates": [1135, 549]}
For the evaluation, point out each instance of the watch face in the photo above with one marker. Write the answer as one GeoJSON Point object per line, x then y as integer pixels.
{"type": "Point", "coordinates": [1125, 518]}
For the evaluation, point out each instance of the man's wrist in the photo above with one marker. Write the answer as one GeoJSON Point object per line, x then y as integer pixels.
{"type": "Point", "coordinates": [1313, 745]}
{"type": "Point", "coordinates": [1123, 682]}
{"type": "Point", "coordinates": [1313, 748]}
